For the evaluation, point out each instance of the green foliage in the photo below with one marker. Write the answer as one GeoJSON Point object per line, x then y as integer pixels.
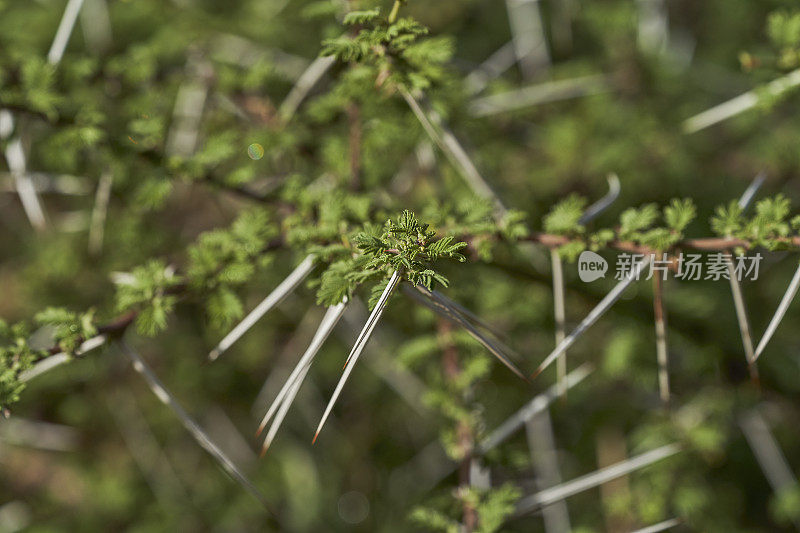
{"type": "Point", "coordinates": [785, 505]}
{"type": "Point", "coordinates": [492, 507]}
{"type": "Point", "coordinates": [393, 48]}
{"type": "Point", "coordinates": [563, 218]}
{"type": "Point", "coordinates": [64, 329]}
{"type": "Point", "coordinates": [70, 329]}
{"type": "Point", "coordinates": [146, 290]}
{"type": "Point", "coordinates": [769, 227]}
{"type": "Point", "coordinates": [404, 244]}
{"type": "Point", "coordinates": [16, 356]}
{"type": "Point", "coordinates": [634, 221]}
{"type": "Point", "coordinates": [783, 29]}
{"type": "Point", "coordinates": [679, 214]}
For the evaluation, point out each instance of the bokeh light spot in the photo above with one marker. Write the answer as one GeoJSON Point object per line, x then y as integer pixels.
{"type": "Point", "coordinates": [255, 151]}
{"type": "Point", "coordinates": [353, 507]}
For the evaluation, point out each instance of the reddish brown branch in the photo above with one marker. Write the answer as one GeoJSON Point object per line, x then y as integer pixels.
{"type": "Point", "coordinates": [465, 436]}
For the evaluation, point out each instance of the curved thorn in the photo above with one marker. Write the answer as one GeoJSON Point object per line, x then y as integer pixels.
{"type": "Point", "coordinates": [603, 203]}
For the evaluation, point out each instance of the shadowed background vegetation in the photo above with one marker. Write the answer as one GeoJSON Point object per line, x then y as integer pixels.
{"type": "Point", "coordinates": [89, 448]}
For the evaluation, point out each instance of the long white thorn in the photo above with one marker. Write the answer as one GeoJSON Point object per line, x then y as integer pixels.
{"type": "Point", "coordinates": [544, 457]}
{"type": "Point", "coordinates": [559, 308]}
{"type": "Point", "coordinates": [451, 313]}
{"type": "Point", "coordinates": [530, 409]}
{"type": "Point", "coordinates": [740, 104]}
{"type": "Point", "coordinates": [559, 314]}
{"type": "Point", "coordinates": [788, 296]}
{"type": "Point", "coordinates": [768, 453]}
{"type": "Point", "coordinates": [661, 526]}
{"type": "Point", "coordinates": [511, 425]}
{"type": "Point", "coordinates": [331, 318]}
{"type": "Point", "coordinates": [736, 288]}
{"type": "Point", "coordinates": [497, 63]}
{"type": "Point", "coordinates": [15, 157]}
{"type": "Point", "coordinates": [358, 347]}
{"type": "Point", "coordinates": [49, 363]}
{"type": "Point", "coordinates": [448, 143]}
{"type": "Point", "coordinates": [99, 212]}
{"type": "Point", "coordinates": [64, 31]}
{"type": "Point", "coordinates": [580, 484]}
{"type": "Point", "coordinates": [528, 36]}
{"type": "Point", "coordinates": [274, 298]}
{"type": "Point", "coordinates": [189, 423]}
{"type": "Point", "coordinates": [747, 196]}
{"type": "Point", "coordinates": [285, 405]}
{"type": "Point", "coordinates": [305, 83]}
{"type": "Point", "coordinates": [96, 25]}
{"type": "Point", "coordinates": [604, 305]}
{"type": "Point", "coordinates": [541, 93]}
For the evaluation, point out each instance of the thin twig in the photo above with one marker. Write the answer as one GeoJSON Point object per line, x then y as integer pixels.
{"type": "Point", "coordinates": [358, 347]}
{"type": "Point", "coordinates": [187, 113]}
{"type": "Point", "coordinates": [237, 50]}
{"type": "Point", "coordinates": [653, 26]}
{"type": "Point", "coordinates": [741, 318]}
{"type": "Point", "coordinates": [39, 435]}
{"type": "Point", "coordinates": [189, 423]}
{"type": "Point", "coordinates": [274, 298]}
{"type": "Point", "coordinates": [354, 120]}
{"type": "Point", "coordinates": [661, 338]}
{"type": "Point", "coordinates": [465, 438]}
{"type": "Point", "coordinates": [43, 182]}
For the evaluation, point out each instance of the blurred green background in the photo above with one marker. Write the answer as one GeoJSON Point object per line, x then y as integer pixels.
{"type": "Point", "coordinates": [89, 448]}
